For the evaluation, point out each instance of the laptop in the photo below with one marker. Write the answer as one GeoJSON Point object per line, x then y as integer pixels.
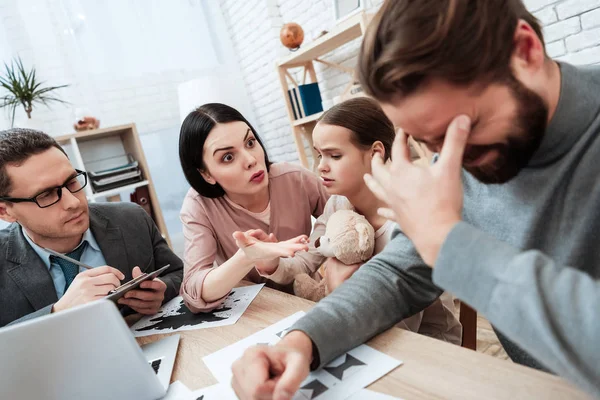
{"type": "Point", "coordinates": [87, 352]}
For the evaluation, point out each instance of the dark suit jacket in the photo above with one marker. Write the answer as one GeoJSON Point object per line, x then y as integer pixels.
{"type": "Point", "coordinates": [127, 237]}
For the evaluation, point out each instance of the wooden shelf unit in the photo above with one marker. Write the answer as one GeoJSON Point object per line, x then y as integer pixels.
{"type": "Point", "coordinates": [346, 31]}
{"type": "Point", "coordinates": [125, 140]}
{"type": "Point", "coordinates": [306, 120]}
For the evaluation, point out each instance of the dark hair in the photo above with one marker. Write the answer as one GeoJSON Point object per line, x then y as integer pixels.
{"type": "Point", "coordinates": [194, 131]}
{"type": "Point", "coordinates": [16, 146]}
{"type": "Point", "coordinates": [367, 121]}
{"type": "Point", "coordinates": [460, 41]}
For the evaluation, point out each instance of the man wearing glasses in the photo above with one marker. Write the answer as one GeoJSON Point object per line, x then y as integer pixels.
{"type": "Point", "coordinates": [42, 196]}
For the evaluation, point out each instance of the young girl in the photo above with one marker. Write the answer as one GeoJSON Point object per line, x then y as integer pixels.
{"type": "Point", "coordinates": [346, 138]}
{"type": "Point", "coordinates": [235, 187]}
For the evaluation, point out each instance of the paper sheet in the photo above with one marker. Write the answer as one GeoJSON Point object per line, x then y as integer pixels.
{"type": "Point", "coordinates": [178, 391]}
{"type": "Point", "coordinates": [215, 392]}
{"type": "Point", "coordinates": [339, 379]}
{"type": "Point", "coordinates": [174, 316]}
{"type": "Point", "coordinates": [367, 394]}
{"type": "Point", "coordinates": [225, 392]}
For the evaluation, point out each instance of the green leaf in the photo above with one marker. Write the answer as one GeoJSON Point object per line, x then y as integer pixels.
{"type": "Point", "coordinates": [24, 89]}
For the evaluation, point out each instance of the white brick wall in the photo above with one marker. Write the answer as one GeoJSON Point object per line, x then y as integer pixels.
{"type": "Point", "coordinates": [254, 27]}
{"type": "Point", "coordinates": [571, 29]}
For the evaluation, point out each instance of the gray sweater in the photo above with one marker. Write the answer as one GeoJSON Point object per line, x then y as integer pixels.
{"type": "Point", "coordinates": [527, 255]}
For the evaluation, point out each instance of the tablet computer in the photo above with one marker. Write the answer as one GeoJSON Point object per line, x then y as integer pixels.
{"type": "Point", "coordinates": [118, 292]}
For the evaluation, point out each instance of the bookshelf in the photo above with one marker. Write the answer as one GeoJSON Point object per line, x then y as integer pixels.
{"type": "Point", "coordinates": [305, 59]}
{"type": "Point", "coordinates": [106, 148]}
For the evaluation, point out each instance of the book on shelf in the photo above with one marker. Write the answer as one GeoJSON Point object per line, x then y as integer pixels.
{"type": "Point", "coordinates": [305, 100]}
{"type": "Point", "coordinates": [294, 102]}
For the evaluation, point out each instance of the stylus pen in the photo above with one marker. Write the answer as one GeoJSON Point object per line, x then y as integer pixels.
{"type": "Point", "coordinates": [65, 257]}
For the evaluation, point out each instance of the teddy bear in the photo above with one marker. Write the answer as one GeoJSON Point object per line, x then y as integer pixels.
{"type": "Point", "coordinates": [350, 238]}
{"type": "Point", "coordinates": [86, 123]}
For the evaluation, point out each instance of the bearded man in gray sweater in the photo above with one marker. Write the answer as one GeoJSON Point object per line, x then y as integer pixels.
{"type": "Point", "coordinates": [508, 217]}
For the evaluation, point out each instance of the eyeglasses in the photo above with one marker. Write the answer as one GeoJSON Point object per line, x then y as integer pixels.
{"type": "Point", "coordinates": [52, 196]}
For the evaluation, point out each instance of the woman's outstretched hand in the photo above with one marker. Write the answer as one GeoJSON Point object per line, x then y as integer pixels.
{"type": "Point", "coordinates": [257, 245]}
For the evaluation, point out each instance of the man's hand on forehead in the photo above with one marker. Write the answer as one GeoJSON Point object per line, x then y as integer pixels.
{"type": "Point", "coordinates": [425, 201]}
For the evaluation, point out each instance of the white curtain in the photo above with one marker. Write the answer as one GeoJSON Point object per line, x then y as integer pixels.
{"type": "Point", "coordinates": [125, 39]}
{"type": "Point", "coordinates": [134, 37]}
{"type": "Point", "coordinates": [87, 42]}
{"type": "Point", "coordinates": [104, 48]}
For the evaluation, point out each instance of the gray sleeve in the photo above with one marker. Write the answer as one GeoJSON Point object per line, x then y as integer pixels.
{"type": "Point", "coordinates": [550, 310]}
{"type": "Point", "coordinates": [36, 314]}
{"type": "Point", "coordinates": [391, 286]}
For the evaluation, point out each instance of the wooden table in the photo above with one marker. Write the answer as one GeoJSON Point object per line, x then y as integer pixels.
{"type": "Point", "coordinates": [432, 369]}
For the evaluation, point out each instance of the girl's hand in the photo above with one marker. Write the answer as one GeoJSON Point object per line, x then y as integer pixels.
{"type": "Point", "coordinates": [260, 246]}
{"type": "Point", "coordinates": [336, 272]}
{"type": "Point", "coordinates": [265, 267]}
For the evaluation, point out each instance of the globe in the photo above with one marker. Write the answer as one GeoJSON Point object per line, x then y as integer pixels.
{"type": "Point", "coordinates": [291, 35]}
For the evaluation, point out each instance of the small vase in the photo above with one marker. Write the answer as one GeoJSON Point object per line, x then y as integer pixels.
{"type": "Point", "coordinates": [22, 121]}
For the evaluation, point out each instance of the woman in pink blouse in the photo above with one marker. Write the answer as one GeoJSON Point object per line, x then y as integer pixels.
{"type": "Point", "coordinates": [234, 187]}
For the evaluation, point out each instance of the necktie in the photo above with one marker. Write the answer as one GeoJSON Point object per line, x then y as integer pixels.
{"type": "Point", "coordinates": [69, 269]}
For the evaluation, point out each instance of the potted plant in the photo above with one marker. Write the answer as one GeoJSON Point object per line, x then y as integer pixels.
{"type": "Point", "coordinates": [24, 89]}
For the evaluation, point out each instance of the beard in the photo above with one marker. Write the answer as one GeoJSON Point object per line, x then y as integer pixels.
{"type": "Point", "coordinates": [526, 137]}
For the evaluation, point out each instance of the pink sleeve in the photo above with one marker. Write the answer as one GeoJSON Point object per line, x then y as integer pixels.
{"type": "Point", "coordinates": [199, 255]}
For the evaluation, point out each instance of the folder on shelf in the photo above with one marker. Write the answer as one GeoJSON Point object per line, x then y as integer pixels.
{"type": "Point", "coordinates": [116, 181]}
{"type": "Point", "coordinates": [115, 177]}
{"type": "Point", "coordinates": [141, 196]}
{"type": "Point", "coordinates": [111, 171]}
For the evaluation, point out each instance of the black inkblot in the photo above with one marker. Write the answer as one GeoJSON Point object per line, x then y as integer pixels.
{"type": "Point", "coordinates": [338, 371]}
{"type": "Point", "coordinates": [313, 388]}
{"type": "Point", "coordinates": [184, 318]}
{"type": "Point", "coordinates": [280, 334]}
